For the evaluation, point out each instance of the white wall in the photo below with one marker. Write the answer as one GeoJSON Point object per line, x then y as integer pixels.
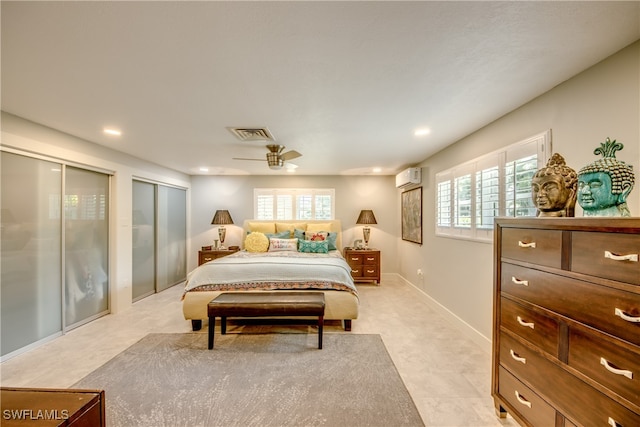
{"type": "Point", "coordinates": [353, 193]}
{"type": "Point", "coordinates": [25, 136]}
{"type": "Point", "coordinates": [603, 101]}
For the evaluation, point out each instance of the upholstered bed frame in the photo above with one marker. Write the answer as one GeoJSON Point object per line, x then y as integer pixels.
{"type": "Point", "coordinates": [340, 305]}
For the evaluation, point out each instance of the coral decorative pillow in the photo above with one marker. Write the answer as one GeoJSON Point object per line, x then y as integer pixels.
{"type": "Point", "coordinates": [323, 235]}
{"type": "Point", "coordinates": [278, 245]}
{"type": "Point", "coordinates": [256, 242]}
{"type": "Point", "coordinates": [313, 246]}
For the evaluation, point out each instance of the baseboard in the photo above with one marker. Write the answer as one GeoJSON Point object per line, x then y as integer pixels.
{"type": "Point", "coordinates": [468, 330]}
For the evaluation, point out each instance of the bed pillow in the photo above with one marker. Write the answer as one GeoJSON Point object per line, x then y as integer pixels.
{"type": "Point", "coordinates": [298, 234]}
{"type": "Point", "coordinates": [313, 246]}
{"type": "Point", "coordinates": [319, 227]}
{"type": "Point", "coordinates": [323, 235]}
{"type": "Point", "coordinates": [290, 227]}
{"type": "Point", "coordinates": [279, 245]}
{"type": "Point", "coordinates": [256, 242]}
{"type": "Point", "coordinates": [262, 227]}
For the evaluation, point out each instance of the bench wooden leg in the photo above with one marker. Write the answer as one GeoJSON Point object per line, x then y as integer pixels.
{"type": "Point", "coordinates": [320, 327]}
{"type": "Point", "coordinates": [212, 328]}
{"type": "Point", "coordinates": [223, 325]}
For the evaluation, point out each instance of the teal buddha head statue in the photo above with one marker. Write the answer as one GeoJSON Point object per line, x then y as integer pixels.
{"type": "Point", "coordinates": [605, 184]}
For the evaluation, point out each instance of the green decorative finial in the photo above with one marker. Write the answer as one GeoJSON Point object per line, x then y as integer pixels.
{"type": "Point", "coordinates": [608, 148]}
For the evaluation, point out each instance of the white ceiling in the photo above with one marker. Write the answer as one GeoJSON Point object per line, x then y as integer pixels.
{"type": "Point", "coordinates": [344, 83]}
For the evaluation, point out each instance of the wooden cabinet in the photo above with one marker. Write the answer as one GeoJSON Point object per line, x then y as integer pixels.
{"type": "Point", "coordinates": [52, 407]}
{"type": "Point", "coordinates": [206, 256]}
{"type": "Point", "coordinates": [566, 336]}
{"type": "Point", "coordinates": [365, 264]}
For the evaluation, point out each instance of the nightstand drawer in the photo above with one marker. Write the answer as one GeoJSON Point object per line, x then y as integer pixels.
{"type": "Point", "coordinates": [612, 256]}
{"type": "Point", "coordinates": [371, 258]}
{"type": "Point", "coordinates": [541, 247]}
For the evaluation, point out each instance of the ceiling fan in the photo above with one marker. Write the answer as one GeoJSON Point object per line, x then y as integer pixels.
{"type": "Point", "coordinates": [275, 157]}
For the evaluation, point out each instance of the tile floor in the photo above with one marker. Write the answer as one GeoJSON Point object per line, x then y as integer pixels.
{"type": "Point", "coordinates": [447, 375]}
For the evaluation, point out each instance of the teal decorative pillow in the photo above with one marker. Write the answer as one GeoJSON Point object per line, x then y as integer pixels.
{"type": "Point", "coordinates": [323, 235]}
{"type": "Point", "coordinates": [313, 246]}
{"type": "Point", "coordinates": [298, 234]}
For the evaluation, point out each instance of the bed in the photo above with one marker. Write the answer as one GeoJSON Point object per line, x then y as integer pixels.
{"type": "Point", "coordinates": [257, 271]}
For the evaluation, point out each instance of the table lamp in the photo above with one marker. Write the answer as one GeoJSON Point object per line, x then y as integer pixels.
{"type": "Point", "coordinates": [366, 217]}
{"type": "Point", "coordinates": [222, 218]}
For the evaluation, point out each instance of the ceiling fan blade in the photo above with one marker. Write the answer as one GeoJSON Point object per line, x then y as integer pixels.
{"type": "Point", "coordinates": [242, 158]}
{"type": "Point", "coordinates": [293, 154]}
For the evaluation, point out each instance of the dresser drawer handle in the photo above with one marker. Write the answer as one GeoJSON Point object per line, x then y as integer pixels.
{"type": "Point", "coordinates": [625, 316]}
{"type": "Point", "coordinates": [531, 245]}
{"type": "Point", "coordinates": [519, 282]}
{"type": "Point", "coordinates": [527, 324]}
{"type": "Point", "coordinates": [604, 362]}
{"type": "Point", "coordinates": [522, 400]}
{"type": "Point", "coordinates": [371, 259]}
{"type": "Point", "coordinates": [517, 357]}
{"type": "Point", "coordinates": [613, 423]}
{"type": "Point", "coordinates": [630, 257]}
{"type": "Point", "coordinates": [371, 271]}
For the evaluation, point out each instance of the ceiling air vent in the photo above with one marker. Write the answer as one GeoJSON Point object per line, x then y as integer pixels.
{"type": "Point", "coordinates": [252, 134]}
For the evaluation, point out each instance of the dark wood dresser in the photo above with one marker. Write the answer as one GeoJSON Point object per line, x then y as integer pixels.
{"type": "Point", "coordinates": [206, 256]}
{"type": "Point", "coordinates": [566, 336]}
{"type": "Point", "coordinates": [364, 263]}
{"type": "Point", "coordinates": [52, 407]}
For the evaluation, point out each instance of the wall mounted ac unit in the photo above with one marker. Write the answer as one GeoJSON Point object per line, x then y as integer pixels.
{"type": "Point", "coordinates": [408, 177]}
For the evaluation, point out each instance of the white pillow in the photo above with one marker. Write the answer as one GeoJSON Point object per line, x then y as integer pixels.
{"type": "Point", "coordinates": [277, 245]}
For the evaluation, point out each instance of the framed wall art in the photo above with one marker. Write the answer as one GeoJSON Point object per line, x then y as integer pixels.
{"type": "Point", "coordinates": [412, 215]}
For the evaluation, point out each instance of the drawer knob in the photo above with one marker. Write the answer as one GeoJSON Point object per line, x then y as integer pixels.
{"type": "Point", "coordinates": [604, 362]}
{"type": "Point", "coordinates": [519, 282]}
{"type": "Point", "coordinates": [531, 245]}
{"type": "Point", "coordinates": [624, 316]}
{"type": "Point", "coordinates": [522, 400]}
{"type": "Point", "coordinates": [517, 357]}
{"type": "Point", "coordinates": [527, 324]}
{"type": "Point", "coordinates": [613, 423]}
{"type": "Point", "coordinates": [630, 257]}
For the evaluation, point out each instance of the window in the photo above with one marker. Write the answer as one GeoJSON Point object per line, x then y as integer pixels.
{"type": "Point", "coordinates": [294, 203]}
{"type": "Point", "coordinates": [471, 195]}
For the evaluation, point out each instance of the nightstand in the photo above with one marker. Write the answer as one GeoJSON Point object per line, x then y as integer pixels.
{"type": "Point", "coordinates": [206, 256]}
{"type": "Point", "coordinates": [364, 263]}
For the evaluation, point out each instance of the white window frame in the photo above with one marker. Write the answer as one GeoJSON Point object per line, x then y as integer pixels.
{"type": "Point", "coordinates": [539, 144]}
{"type": "Point", "coordinates": [292, 212]}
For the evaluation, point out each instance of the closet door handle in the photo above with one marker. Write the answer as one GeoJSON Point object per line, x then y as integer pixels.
{"type": "Point", "coordinates": [519, 282]}
{"type": "Point", "coordinates": [527, 324]}
{"type": "Point", "coordinates": [517, 357]}
{"type": "Point", "coordinates": [522, 400]}
{"type": "Point", "coordinates": [522, 244]}
{"type": "Point", "coordinates": [629, 257]}
{"type": "Point", "coordinates": [604, 362]}
{"type": "Point", "coordinates": [624, 316]}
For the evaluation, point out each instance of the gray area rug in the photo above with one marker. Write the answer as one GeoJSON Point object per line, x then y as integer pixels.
{"type": "Point", "coordinates": [254, 380]}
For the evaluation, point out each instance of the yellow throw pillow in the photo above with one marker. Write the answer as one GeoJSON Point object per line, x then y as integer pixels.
{"type": "Point", "coordinates": [319, 227]}
{"type": "Point", "coordinates": [283, 226]}
{"type": "Point", "coordinates": [256, 242]}
{"type": "Point", "coordinates": [262, 227]}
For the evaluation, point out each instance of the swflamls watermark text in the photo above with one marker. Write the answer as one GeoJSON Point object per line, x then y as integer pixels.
{"type": "Point", "coordinates": [31, 414]}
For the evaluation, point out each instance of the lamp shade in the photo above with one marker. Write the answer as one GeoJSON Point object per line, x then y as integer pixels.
{"type": "Point", "coordinates": [366, 217]}
{"type": "Point", "coordinates": [222, 217]}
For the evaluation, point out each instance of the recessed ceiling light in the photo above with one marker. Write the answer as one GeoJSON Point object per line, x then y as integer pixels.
{"type": "Point", "coordinates": [377, 170]}
{"type": "Point", "coordinates": [422, 132]}
{"type": "Point", "coordinates": [111, 131]}
{"type": "Point", "coordinates": [204, 169]}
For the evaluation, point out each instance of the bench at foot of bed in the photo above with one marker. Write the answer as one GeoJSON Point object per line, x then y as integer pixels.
{"type": "Point", "coordinates": [196, 324]}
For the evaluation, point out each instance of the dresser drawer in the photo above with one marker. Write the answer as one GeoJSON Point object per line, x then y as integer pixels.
{"type": "Point", "coordinates": [610, 310]}
{"type": "Point", "coordinates": [530, 406]}
{"type": "Point", "coordinates": [607, 255]}
{"type": "Point", "coordinates": [355, 259]}
{"type": "Point", "coordinates": [536, 328]}
{"type": "Point", "coordinates": [371, 258]}
{"type": "Point", "coordinates": [612, 364]}
{"type": "Point", "coordinates": [369, 271]}
{"type": "Point", "coordinates": [543, 247]}
{"type": "Point", "coordinates": [571, 396]}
